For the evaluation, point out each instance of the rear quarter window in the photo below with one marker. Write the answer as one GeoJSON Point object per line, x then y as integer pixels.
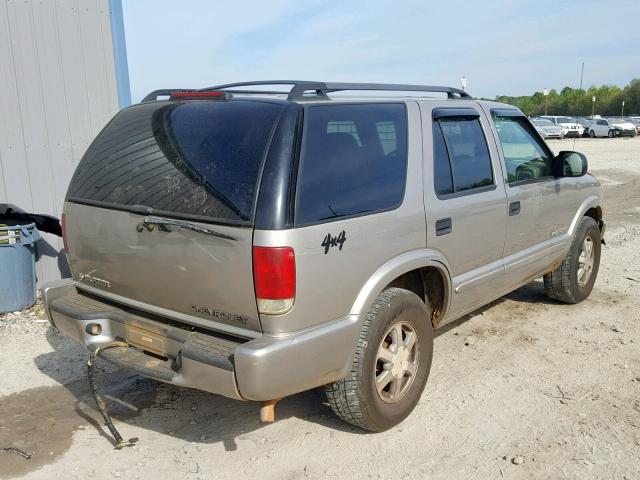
{"type": "Point", "coordinates": [353, 161]}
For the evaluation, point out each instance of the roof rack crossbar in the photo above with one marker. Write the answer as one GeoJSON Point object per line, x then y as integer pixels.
{"type": "Point", "coordinates": [318, 87]}
{"type": "Point", "coordinates": [300, 88]}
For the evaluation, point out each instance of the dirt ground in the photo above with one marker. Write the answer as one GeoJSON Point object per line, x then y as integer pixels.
{"type": "Point", "coordinates": [523, 388]}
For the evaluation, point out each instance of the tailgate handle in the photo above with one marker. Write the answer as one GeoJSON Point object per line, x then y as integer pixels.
{"type": "Point", "coordinates": [164, 223]}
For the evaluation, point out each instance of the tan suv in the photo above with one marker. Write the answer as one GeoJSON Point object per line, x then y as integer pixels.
{"type": "Point", "coordinates": [255, 244]}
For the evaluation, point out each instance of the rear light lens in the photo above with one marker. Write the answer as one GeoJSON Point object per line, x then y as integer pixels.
{"type": "Point", "coordinates": [274, 278]}
{"type": "Point", "coordinates": [63, 227]}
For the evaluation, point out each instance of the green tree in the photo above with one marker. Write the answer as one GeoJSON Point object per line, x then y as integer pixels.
{"type": "Point", "coordinates": [577, 102]}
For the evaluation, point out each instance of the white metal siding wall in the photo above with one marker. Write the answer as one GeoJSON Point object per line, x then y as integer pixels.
{"type": "Point", "coordinates": [57, 90]}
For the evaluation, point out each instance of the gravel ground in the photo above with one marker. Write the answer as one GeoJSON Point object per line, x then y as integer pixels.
{"type": "Point", "coordinates": [523, 388]}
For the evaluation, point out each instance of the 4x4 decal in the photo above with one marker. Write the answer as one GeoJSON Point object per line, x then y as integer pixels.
{"type": "Point", "coordinates": [331, 241]}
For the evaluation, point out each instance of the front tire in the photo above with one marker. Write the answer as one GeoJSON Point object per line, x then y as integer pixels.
{"type": "Point", "coordinates": [391, 364]}
{"type": "Point", "coordinates": [573, 280]}
{"type": "Point", "coordinates": [611, 134]}
{"type": "Point", "coordinates": [592, 134]}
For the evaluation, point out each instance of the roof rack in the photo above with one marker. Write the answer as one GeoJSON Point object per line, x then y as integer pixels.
{"type": "Point", "coordinates": [300, 88]}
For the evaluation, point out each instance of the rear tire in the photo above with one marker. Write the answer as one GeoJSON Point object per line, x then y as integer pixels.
{"type": "Point", "coordinates": [396, 340]}
{"type": "Point", "coordinates": [592, 134]}
{"type": "Point", "coordinates": [573, 280]}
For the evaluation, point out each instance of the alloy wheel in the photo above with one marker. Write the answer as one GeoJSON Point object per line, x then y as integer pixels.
{"type": "Point", "coordinates": [586, 261]}
{"type": "Point", "coordinates": [397, 362]}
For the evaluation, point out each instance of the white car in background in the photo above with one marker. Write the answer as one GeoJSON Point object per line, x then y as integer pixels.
{"type": "Point", "coordinates": [611, 127]}
{"type": "Point", "coordinates": [570, 125]}
{"type": "Point", "coordinates": [623, 126]}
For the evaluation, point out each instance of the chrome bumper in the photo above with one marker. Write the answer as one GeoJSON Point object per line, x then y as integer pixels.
{"type": "Point", "coordinates": [264, 368]}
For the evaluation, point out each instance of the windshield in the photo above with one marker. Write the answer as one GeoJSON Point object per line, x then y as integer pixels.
{"type": "Point", "coordinates": [197, 158]}
{"type": "Point", "coordinates": [565, 120]}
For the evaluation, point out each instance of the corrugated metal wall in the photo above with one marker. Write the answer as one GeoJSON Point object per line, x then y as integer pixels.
{"type": "Point", "coordinates": [57, 90]}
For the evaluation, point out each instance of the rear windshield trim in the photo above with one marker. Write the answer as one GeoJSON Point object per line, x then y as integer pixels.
{"type": "Point", "coordinates": [141, 210]}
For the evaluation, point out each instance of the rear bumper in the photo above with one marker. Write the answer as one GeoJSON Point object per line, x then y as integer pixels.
{"type": "Point", "coordinates": [264, 368]}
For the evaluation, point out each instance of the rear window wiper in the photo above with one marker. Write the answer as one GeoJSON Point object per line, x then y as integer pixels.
{"type": "Point", "coordinates": [166, 222]}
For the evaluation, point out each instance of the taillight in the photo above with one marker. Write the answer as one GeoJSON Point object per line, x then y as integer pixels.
{"type": "Point", "coordinates": [274, 278]}
{"type": "Point", "coordinates": [63, 226]}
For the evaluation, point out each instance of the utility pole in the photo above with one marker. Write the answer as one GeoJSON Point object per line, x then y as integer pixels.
{"type": "Point", "coordinates": [463, 82]}
{"type": "Point", "coordinates": [593, 105]}
{"type": "Point", "coordinates": [545, 92]}
{"type": "Point", "coordinates": [622, 112]}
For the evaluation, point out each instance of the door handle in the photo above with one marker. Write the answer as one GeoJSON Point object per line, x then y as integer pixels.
{"type": "Point", "coordinates": [443, 226]}
{"type": "Point", "coordinates": [514, 208]}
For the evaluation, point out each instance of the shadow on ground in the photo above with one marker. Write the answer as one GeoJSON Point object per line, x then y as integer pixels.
{"type": "Point", "coordinates": [530, 294]}
{"type": "Point", "coordinates": [43, 420]}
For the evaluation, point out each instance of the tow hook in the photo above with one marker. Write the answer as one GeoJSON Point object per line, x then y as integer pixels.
{"type": "Point", "coordinates": [119, 443]}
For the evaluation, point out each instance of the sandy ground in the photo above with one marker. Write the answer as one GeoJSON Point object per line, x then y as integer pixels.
{"type": "Point", "coordinates": [523, 388]}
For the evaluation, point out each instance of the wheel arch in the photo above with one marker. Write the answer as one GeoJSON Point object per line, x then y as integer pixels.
{"type": "Point", "coordinates": [425, 272]}
{"type": "Point", "coordinates": [590, 207]}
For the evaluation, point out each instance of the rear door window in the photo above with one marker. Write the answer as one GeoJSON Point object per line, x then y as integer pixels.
{"type": "Point", "coordinates": [190, 158]}
{"type": "Point", "coordinates": [461, 156]}
{"type": "Point", "coordinates": [353, 161]}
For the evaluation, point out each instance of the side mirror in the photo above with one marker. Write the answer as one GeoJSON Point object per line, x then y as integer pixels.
{"type": "Point", "coordinates": [571, 164]}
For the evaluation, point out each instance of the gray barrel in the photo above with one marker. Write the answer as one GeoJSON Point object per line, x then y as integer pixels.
{"type": "Point", "coordinates": [17, 266]}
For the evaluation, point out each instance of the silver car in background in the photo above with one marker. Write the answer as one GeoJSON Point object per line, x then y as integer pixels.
{"type": "Point", "coordinates": [570, 125]}
{"type": "Point", "coordinates": [547, 129]}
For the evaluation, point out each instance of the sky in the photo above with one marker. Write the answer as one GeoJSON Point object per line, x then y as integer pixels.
{"type": "Point", "coordinates": [506, 47]}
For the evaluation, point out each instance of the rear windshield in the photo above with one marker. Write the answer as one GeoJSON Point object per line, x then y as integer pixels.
{"type": "Point", "coordinates": [192, 158]}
